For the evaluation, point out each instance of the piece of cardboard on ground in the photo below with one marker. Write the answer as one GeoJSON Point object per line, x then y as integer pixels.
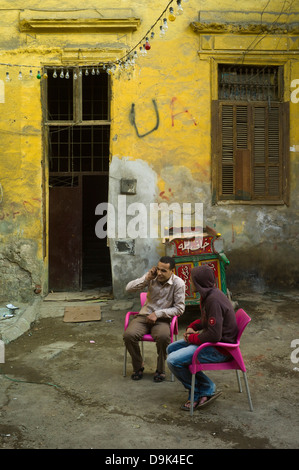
{"type": "Point", "coordinates": [82, 313]}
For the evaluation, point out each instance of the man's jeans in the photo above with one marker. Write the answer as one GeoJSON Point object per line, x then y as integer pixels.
{"type": "Point", "coordinates": [180, 357]}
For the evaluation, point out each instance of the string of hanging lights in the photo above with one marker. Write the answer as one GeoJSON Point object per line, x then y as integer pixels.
{"type": "Point", "coordinates": [124, 64]}
{"type": "Point", "coordinates": [129, 59]}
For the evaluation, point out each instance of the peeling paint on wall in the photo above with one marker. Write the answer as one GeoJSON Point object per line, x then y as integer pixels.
{"type": "Point", "coordinates": [20, 270]}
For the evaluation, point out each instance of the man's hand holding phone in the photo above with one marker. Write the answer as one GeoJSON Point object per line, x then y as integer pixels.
{"type": "Point", "coordinates": [152, 273]}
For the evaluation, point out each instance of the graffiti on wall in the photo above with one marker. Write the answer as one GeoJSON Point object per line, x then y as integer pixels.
{"type": "Point", "coordinates": [183, 110]}
{"type": "Point", "coordinates": [133, 120]}
{"type": "Point", "coordinates": [176, 109]}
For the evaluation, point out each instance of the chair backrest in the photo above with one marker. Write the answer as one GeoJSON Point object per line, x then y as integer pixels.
{"type": "Point", "coordinates": [143, 298]}
{"type": "Point", "coordinates": [242, 321]}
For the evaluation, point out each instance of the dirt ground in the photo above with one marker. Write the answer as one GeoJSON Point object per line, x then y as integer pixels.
{"type": "Point", "coordinates": [62, 386]}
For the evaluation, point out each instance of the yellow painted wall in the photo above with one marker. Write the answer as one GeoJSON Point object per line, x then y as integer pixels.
{"type": "Point", "coordinates": [21, 188]}
{"type": "Point", "coordinates": [177, 74]}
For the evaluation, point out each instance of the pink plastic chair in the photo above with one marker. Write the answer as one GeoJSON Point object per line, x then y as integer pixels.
{"type": "Point", "coordinates": [174, 329]}
{"type": "Point", "coordinates": [236, 363]}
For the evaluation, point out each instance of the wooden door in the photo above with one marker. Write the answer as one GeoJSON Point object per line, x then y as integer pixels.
{"type": "Point", "coordinates": [65, 238]}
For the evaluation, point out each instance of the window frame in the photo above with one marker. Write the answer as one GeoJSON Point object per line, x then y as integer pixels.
{"type": "Point", "coordinates": [216, 151]}
{"type": "Point", "coordinates": [77, 120]}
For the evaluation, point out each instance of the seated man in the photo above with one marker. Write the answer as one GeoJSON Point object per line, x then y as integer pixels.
{"type": "Point", "coordinates": [165, 299]}
{"type": "Point", "coordinates": [217, 323]}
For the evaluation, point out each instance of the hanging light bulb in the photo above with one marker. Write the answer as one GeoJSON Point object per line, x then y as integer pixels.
{"type": "Point", "coordinates": [180, 8]}
{"type": "Point", "coordinates": [38, 76]}
{"type": "Point", "coordinates": [54, 74]}
{"type": "Point", "coordinates": [67, 75]}
{"type": "Point", "coordinates": [162, 32]}
{"type": "Point", "coordinates": [147, 45]}
{"type": "Point", "coordinates": [98, 72]}
{"type": "Point", "coordinates": [86, 72]}
{"type": "Point", "coordinates": [80, 72]}
{"type": "Point", "coordinates": [144, 50]}
{"type": "Point", "coordinates": [152, 35]}
{"type": "Point", "coordinates": [135, 56]}
{"type": "Point", "coordinates": [93, 72]}
{"type": "Point", "coordinates": [165, 25]}
{"type": "Point", "coordinates": [75, 75]}
{"type": "Point", "coordinates": [20, 77]}
{"type": "Point", "coordinates": [7, 77]}
{"type": "Point", "coordinates": [30, 74]}
{"type": "Point", "coordinates": [45, 75]}
{"type": "Point", "coordinates": [171, 15]}
{"type": "Point", "coordinates": [61, 74]}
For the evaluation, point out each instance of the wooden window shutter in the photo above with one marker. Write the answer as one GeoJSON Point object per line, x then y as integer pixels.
{"type": "Point", "coordinates": [250, 145]}
{"type": "Point", "coordinates": [235, 160]}
{"type": "Point", "coordinates": [242, 154]}
{"type": "Point", "coordinates": [227, 150]}
{"type": "Point", "coordinates": [267, 152]}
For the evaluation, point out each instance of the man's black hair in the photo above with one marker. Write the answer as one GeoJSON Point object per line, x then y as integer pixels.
{"type": "Point", "coordinates": [168, 260]}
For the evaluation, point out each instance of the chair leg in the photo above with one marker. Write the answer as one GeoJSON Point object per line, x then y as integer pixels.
{"type": "Point", "coordinates": [172, 376]}
{"type": "Point", "coordinates": [248, 392]}
{"type": "Point", "coordinates": [142, 350]}
{"type": "Point", "coordinates": [192, 394]}
{"type": "Point", "coordinates": [239, 381]}
{"type": "Point", "coordinates": [125, 363]}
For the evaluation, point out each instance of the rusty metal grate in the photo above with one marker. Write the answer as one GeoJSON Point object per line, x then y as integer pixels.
{"type": "Point", "coordinates": [248, 83]}
{"type": "Point", "coordinates": [63, 181]}
{"type": "Point", "coordinates": [79, 148]}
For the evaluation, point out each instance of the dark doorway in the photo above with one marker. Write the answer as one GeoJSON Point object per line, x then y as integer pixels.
{"type": "Point", "coordinates": [96, 256]}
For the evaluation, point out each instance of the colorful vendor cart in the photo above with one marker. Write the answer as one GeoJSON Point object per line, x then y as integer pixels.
{"type": "Point", "coordinates": [190, 251]}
